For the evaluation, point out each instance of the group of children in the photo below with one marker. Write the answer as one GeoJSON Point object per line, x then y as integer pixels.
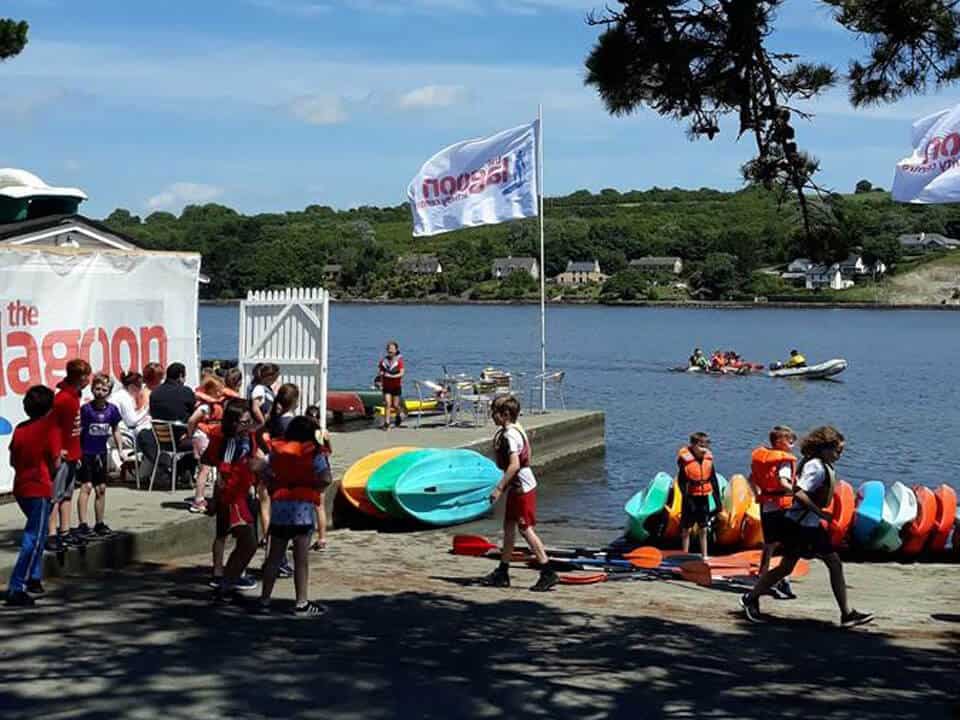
{"type": "Point", "coordinates": [795, 498]}
{"type": "Point", "coordinates": [256, 444]}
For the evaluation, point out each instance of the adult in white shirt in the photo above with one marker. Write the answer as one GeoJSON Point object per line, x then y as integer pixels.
{"type": "Point", "coordinates": [130, 400]}
{"type": "Point", "coordinates": [806, 537]}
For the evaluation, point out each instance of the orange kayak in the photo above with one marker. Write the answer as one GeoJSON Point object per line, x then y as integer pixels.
{"type": "Point", "coordinates": [353, 487]}
{"type": "Point", "coordinates": [844, 503]}
{"type": "Point", "coordinates": [736, 500]}
{"type": "Point", "coordinates": [916, 533]}
{"type": "Point", "coordinates": [946, 498]}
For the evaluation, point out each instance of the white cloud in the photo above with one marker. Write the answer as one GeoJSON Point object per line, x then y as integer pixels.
{"type": "Point", "coordinates": [295, 8]}
{"type": "Point", "coordinates": [319, 109]}
{"type": "Point", "coordinates": [25, 106]}
{"type": "Point", "coordinates": [432, 96]}
{"type": "Point", "coordinates": [176, 195]}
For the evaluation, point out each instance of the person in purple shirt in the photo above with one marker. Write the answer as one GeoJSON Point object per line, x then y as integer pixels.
{"type": "Point", "coordinates": [99, 420]}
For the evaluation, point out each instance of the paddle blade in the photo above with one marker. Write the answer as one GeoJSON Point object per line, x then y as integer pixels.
{"type": "Point", "coordinates": [472, 545]}
{"type": "Point", "coordinates": [695, 572]}
{"type": "Point", "coordinates": [645, 557]}
{"type": "Point", "coordinates": [581, 579]}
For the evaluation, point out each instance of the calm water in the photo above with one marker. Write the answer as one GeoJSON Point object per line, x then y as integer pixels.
{"type": "Point", "coordinates": [896, 403]}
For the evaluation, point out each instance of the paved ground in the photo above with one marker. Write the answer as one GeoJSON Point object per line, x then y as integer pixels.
{"type": "Point", "coordinates": [409, 635]}
{"type": "Point", "coordinates": [156, 524]}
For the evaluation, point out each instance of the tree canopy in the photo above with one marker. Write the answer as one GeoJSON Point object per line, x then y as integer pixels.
{"type": "Point", "coordinates": [13, 37]}
{"type": "Point", "coordinates": [699, 60]}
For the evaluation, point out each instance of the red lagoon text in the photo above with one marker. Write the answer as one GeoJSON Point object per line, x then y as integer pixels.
{"type": "Point", "coordinates": [29, 358]}
{"type": "Point", "coordinates": [453, 188]}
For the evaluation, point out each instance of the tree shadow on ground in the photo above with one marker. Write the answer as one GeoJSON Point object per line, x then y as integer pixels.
{"type": "Point", "coordinates": [147, 642]}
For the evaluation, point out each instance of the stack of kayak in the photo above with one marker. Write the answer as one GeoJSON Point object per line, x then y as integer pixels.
{"type": "Point", "coordinates": [431, 486]}
{"type": "Point", "coordinates": [898, 520]}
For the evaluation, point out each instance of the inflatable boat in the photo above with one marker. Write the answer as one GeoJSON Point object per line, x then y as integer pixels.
{"type": "Point", "coordinates": [811, 372]}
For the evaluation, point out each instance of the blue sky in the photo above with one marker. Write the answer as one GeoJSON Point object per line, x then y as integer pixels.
{"type": "Point", "coordinates": [269, 105]}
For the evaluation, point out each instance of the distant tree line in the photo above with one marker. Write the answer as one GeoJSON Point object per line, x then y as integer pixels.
{"type": "Point", "coordinates": [722, 237]}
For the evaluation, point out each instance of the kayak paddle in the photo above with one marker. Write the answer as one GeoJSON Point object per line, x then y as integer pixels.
{"type": "Point", "coordinates": [479, 545]}
{"type": "Point", "coordinates": [695, 572]}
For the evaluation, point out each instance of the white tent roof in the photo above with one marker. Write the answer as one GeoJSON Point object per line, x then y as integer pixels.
{"type": "Point", "coordinates": [16, 183]}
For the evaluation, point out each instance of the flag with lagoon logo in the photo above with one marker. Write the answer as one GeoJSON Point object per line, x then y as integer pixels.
{"type": "Point", "coordinates": [932, 173]}
{"type": "Point", "coordinates": [477, 182]}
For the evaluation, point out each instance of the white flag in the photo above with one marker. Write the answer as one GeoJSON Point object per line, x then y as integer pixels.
{"type": "Point", "coordinates": [477, 182]}
{"type": "Point", "coordinates": [932, 173]}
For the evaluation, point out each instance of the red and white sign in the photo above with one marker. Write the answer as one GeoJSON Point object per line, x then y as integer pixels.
{"type": "Point", "coordinates": [117, 311]}
{"type": "Point", "coordinates": [932, 172]}
{"type": "Point", "coordinates": [477, 182]}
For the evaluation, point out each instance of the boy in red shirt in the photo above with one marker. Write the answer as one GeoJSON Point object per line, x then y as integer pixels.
{"type": "Point", "coordinates": [34, 455]}
{"type": "Point", "coordinates": [66, 416]}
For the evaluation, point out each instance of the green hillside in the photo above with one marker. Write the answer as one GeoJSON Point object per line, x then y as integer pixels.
{"type": "Point", "coordinates": [723, 238]}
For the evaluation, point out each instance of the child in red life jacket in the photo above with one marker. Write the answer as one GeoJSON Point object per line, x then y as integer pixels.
{"type": "Point", "coordinates": [697, 478]}
{"type": "Point", "coordinates": [512, 448]}
{"type": "Point", "coordinates": [390, 373]}
{"type": "Point", "coordinates": [296, 472]}
{"type": "Point", "coordinates": [773, 475]}
{"type": "Point", "coordinates": [207, 414]}
{"type": "Point", "coordinates": [35, 456]}
{"type": "Point", "coordinates": [232, 450]}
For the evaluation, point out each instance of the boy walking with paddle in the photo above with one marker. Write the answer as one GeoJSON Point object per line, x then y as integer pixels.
{"type": "Point", "coordinates": [512, 449]}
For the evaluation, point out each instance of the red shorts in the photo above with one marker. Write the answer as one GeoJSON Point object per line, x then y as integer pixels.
{"type": "Point", "coordinates": [521, 508]}
{"type": "Point", "coordinates": [231, 515]}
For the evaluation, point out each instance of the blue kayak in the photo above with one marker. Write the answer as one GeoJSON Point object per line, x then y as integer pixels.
{"type": "Point", "coordinates": [446, 487]}
{"type": "Point", "coordinates": [869, 513]}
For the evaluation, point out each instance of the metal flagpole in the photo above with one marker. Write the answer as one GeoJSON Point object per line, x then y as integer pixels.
{"type": "Point", "coordinates": [543, 270]}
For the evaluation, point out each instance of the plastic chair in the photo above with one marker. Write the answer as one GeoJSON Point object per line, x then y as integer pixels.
{"type": "Point", "coordinates": [429, 390]}
{"type": "Point", "coordinates": [163, 433]}
{"type": "Point", "coordinates": [553, 381]}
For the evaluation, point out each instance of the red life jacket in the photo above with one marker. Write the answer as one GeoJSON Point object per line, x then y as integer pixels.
{"type": "Point", "coordinates": [501, 448]}
{"type": "Point", "coordinates": [236, 477]}
{"type": "Point", "coordinates": [764, 473]}
{"type": "Point", "coordinates": [696, 473]}
{"type": "Point", "coordinates": [294, 477]}
{"type": "Point", "coordinates": [216, 410]}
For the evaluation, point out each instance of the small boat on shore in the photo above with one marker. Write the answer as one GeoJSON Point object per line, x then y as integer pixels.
{"type": "Point", "coordinates": [447, 487]}
{"type": "Point", "coordinates": [353, 486]}
{"type": "Point", "coordinates": [869, 513]}
{"type": "Point", "coordinates": [842, 507]}
{"type": "Point", "coordinates": [810, 372]}
{"type": "Point", "coordinates": [899, 508]}
{"type": "Point", "coordinates": [916, 533]}
{"type": "Point", "coordinates": [945, 517]}
{"type": "Point", "coordinates": [645, 504]}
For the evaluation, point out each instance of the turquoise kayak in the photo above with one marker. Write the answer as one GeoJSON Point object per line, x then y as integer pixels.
{"type": "Point", "coordinates": [869, 513]}
{"type": "Point", "coordinates": [722, 482]}
{"type": "Point", "coordinates": [447, 487]}
{"type": "Point", "coordinates": [899, 508]}
{"type": "Point", "coordinates": [645, 504]}
{"type": "Point", "coordinates": [384, 478]}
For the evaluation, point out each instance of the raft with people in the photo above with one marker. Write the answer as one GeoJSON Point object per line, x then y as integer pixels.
{"type": "Point", "coordinates": [729, 362]}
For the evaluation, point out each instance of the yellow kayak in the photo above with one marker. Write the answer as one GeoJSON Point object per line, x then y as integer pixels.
{"type": "Point", "coordinates": [736, 501]}
{"type": "Point", "coordinates": [752, 530]}
{"type": "Point", "coordinates": [413, 406]}
{"type": "Point", "coordinates": [671, 530]}
{"type": "Point", "coordinates": [353, 487]}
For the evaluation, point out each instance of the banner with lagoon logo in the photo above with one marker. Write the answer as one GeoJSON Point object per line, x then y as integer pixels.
{"type": "Point", "coordinates": [477, 182]}
{"type": "Point", "coordinates": [932, 173]}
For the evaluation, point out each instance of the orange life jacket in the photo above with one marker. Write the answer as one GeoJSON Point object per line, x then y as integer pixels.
{"type": "Point", "coordinates": [236, 477]}
{"type": "Point", "coordinates": [216, 410]}
{"type": "Point", "coordinates": [764, 472]}
{"type": "Point", "coordinates": [294, 477]}
{"type": "Point", "coordinates": [697, 474]}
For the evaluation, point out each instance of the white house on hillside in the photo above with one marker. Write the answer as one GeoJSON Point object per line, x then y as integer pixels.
{"type": "Point", "coordinates": [820, 277]}
{"type": "Point", "coordinates": [503, 267]}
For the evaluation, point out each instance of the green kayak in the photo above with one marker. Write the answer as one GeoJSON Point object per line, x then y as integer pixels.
{"type": "Point", "coordinates": [645, 504]}
{"type": "Point", "coordinates": [381, 484]}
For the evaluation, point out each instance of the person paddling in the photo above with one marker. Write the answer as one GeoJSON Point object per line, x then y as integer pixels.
{"type": "Point", "coordinates": [699, 360]}
{"type": "Point", "coordinates": [796, 360]}
{"type": "Point", "coordinates": [804, 534]}
{"type": "Point", "coordinates": [773, 474]}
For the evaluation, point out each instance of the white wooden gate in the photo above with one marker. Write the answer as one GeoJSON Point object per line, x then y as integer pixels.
{"type": "Point", "coordinates": [289, 328]}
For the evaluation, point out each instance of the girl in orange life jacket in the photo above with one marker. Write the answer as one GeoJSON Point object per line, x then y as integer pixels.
{"type": "Point", "coordinates": [296, 471]}
{"type": "Point", "coordinates": [232, 450]}
{"type": "Point", "coordinates": [207, 412]}
{"type": "Point", "coordinates": [512, 449]}
{"type": "Point", "coordinates": [282, 412]}
{"type": "Point", "coordinates": [697, 478]}
{"type": "Point", "coordinates": [804, 536]}
{"type": "Point", "coordinates": [773, 475]}
{"type": "Point", "coordinates": [262, 395]}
